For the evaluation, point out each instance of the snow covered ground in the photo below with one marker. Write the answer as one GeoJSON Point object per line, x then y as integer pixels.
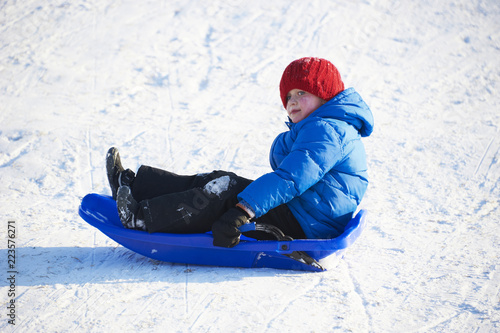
{"type": "Point", "coordinates": [192, 86]}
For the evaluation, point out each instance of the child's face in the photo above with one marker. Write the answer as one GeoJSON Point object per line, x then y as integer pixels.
{"type": "Point", "coordinates": [300, 104]}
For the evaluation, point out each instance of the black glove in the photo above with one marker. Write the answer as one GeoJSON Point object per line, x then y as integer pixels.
{"type": "Point", "coordinates": [225, 230]}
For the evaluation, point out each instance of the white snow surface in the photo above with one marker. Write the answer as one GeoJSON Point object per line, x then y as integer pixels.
{"type": "Point", "coordinates": [192, 86]}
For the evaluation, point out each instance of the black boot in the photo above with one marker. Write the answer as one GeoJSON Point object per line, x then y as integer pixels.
{"type": "Point", "coordinates": [117, 176]}
{"type": "Point", "coordinates": [128, 209]}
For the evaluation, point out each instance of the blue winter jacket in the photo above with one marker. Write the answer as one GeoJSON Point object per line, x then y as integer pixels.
{"type": "Point", "coordinates": [319, 167]}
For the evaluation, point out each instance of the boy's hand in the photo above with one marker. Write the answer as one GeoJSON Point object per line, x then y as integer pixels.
{"type": "Point", "coordinates": [225, 230]}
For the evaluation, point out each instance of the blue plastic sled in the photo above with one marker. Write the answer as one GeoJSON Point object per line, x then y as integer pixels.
{"type": "Point", "coordinates": [101, 212]}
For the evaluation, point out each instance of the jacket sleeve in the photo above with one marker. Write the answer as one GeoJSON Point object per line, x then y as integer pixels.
{"type": "Point", "coordinates": [316, 150]}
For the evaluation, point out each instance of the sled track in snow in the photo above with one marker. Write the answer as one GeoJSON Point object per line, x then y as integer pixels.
{"type": "Point", "coordinates": [490, 159]}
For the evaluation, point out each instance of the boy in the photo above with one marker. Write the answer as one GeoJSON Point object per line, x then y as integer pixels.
{"type": "Point", "coordinates": [318, 181]}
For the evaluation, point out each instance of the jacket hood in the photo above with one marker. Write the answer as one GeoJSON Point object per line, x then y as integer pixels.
{"type": "Point", "coordinates": [347, 106]}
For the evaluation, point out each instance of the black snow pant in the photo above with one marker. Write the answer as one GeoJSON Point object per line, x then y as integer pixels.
{"type": "Point", "coordinates": [174, 203]}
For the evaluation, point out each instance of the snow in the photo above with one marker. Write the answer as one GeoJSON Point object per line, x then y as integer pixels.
{"type": "Point", "coordinates": [217, 186]}
{"type": "Point", "coordinates": [192, 86]}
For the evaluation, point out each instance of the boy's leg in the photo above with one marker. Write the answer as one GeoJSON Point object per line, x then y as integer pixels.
{"type": "Point", "coordinates": [193, 210]}
{"type": "Point", "coordinates": [151, 182]}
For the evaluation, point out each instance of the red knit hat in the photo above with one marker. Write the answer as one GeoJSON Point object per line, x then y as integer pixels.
{"type": "Point", "coordinates": [314, 75]}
